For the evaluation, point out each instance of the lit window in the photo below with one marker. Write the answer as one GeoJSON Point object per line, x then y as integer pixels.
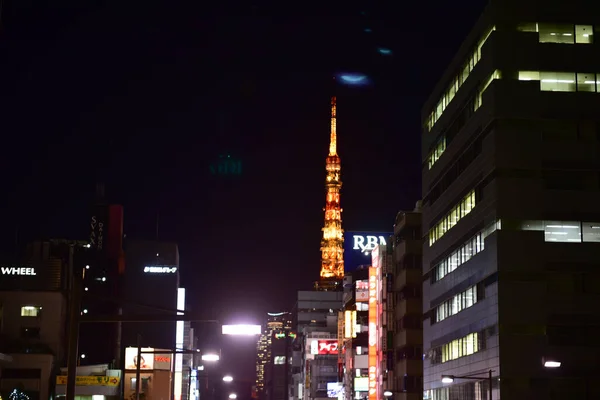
{"type": "Point", "coordinates": [479, 99]}
{"type": "Point", "coordinates": [529, 75]}
{"type": "Point", "coordinates": [586, 82]}
{"type": "Point", "coordinates": [562, 231]}
{"type": "Point", "coordinates": [457, 82]}
{"type": "Point", "coordinates": [456, 304]}
{"type": "Point", "coordinates": [31, 311]}
{"type": "Point", "coordinates": [591, 231]}
{"type": "Point", "coordinates": [557, 81]}
{"type": "Point", "coordinates": [279, 360]}
{"type": "Point", "coordinates": [436, 153]}
{"type": "Point", "coordinates": [452, 218]}
{"type": "Point", "coordinates": [556, 33]}
{"type": "Point", "coordinates": [584, 34]}
{"type": "Point", "coordinates": [462, 347]}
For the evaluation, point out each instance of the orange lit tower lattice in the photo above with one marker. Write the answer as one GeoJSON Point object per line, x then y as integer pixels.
{"type": "Point", "coordinates": [332, 244]}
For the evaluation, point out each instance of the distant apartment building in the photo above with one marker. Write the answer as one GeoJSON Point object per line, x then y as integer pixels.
{"type": "Point", "coordinates": [511, 259]}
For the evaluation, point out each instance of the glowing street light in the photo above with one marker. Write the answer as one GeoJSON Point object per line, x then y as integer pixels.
{"type": "Point", "coordinates": [387, 393]}
{"type": "Point", "coordinates": [210, 357]}
{"type": "Point", "coordinates": [241, 330]}
{"type": "Point", "coordinates": [227, 378]}
{"type": "Point", "coordinates": [233, 396]}
{"type": "Point", "coordinates": [552, 364]}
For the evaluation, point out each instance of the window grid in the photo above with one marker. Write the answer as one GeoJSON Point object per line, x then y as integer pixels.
{"type": "Point", "coordinates": [31, 311]}
{"type": "Point", "coordinates": [436, 153]}
{"type": "Point", "coordinates": [459, 257]}
{"type": "Point", "coordinates": [456, 214]}
{"type": "Point", "coordinates": [461, 347]}
{"type": "Point", "coordinates": [560, 33]}
{"type": "Point", "coordinates": [457, 83]}
{"type": "Point", "coordinates": [456, 304]}
{"type": "Point", "coordinates": [552, 81]}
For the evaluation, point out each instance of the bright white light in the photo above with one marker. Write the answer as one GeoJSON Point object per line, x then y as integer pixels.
{"type": "Point", "coordinates": [387, 393]}
{"type": "Point", "coordinates": [210, 357]}
{"type": "Point", "coordinates": [552, 364]}
{"type": "Point", "coordinates": [85, 310]}
{"type": "Point", "coordinates": [88, 245]}
{"type": "Point", "coordinates": [103, 279]}
{"type": "Point", "coordinates": [86, 289]}
{"type": "Point", "coordinates": [227, 378]}
{"type": "Point", "coordinates": [200, 367]}
{"type": "Point", "coordinates": [233, 396]}
{"type": "Point", "coordinates": [241, 329]}
{"type": "Point", "coordinates": [87, 267]}
{"type": "Point", "coordinates": [447, 379]}
{"type": "Point", "coordinates": [82, 356]}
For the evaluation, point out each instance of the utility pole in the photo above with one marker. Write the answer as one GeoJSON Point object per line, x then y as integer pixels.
{"type": "Point", "coordinates": [73, 341]}
{"type": "Point", "coordinates": [138, 366]}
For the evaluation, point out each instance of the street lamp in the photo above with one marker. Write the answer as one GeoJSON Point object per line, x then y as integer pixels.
{"type": "Point", "coordinates": [551, 364]}
{"type": "Point", "coordinates": [451, 378]}
{"type": "Point", "coordinates": [233, 396]}
{"type": "Point", "coordinates": [387, 393]}
{"type": "Point", "coordinates": [227, 378]}
{"type": "Point", "coordinates": [241, 330]}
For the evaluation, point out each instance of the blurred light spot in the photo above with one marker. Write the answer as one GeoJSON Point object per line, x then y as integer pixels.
{"type": "Point", "coordinates": [368, 30]}
{"type": "Point", "coordinates": [384, 51]}
{"type": "Point", "coordinates": [353, 79]}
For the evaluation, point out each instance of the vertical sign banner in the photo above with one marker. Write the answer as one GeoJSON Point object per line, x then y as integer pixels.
{"type": "Point", "coordinates": [373, 386]}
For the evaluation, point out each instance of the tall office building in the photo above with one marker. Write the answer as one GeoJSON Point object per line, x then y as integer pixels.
{"type": "Point", "coordinates": [510, 185]}
{"type": "Point", "coordinates": [278, 324]}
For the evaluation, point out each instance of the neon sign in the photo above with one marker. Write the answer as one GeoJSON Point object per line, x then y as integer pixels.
{"type": "Point", "coordinates": [373, 333]}
{"type": "Point", "coordinates": [367, 243]}
{"type": "Point", "coordinates": [327, 347]}
{"type": "Point", "coordinates": [161, 269]}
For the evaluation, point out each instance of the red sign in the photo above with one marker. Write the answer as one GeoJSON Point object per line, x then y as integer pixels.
{"type": "Point", "coordinates": [328, 347]}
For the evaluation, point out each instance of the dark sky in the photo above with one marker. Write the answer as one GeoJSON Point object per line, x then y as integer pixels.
{"type": "Point", "coordinates": [145, 98]}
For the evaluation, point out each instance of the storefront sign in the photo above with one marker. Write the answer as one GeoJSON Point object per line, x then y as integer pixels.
{"type": "Point", "coordinates": [90, 380]}
{"type": "Point", "coordinates": [18, 271]}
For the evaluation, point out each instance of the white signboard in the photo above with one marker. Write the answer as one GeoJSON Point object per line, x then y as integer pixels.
{"type": "Point", "coordinates": [160, 269]}
{"type": "Point", "coordinates": [17, 271]}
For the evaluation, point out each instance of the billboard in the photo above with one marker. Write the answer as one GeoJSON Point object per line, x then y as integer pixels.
{"type": "Point", "coordinates": [335, 389]}
{"type": "Point", "coordinates": [359, 245]}
{"type": "Point", "coordinates": [161, 361]}
{"type": "Point", "coordinates": [362, 291]}
{"type": "Point", "coordinates": [32, 277]}
{"type": "Point", "coordinates": [146, 360]}
{"type": "Point", "coordinates": [324, 346]}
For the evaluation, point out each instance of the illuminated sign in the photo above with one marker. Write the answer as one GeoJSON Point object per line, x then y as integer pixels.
{"type": "Point", "coordinates": [335, 389]}
{"type": "Point", "coordinates": [349, 324]}
{"type": "Point", "coordinates": [362, 291]}
{"type": "Point", "coordinates": [90, 380]}
{"type": "Point", "coordinates": [161, 269]}
{"type": "Point", "coordinates": [18, 271]}
{"type": "Point", "coordinates": [358, 247]}
{"type": "Point", "coordinates": [361, 384]}
{"type": "Point", "coordinates": [373, 286]}
{"type": "Point", "coordinates": [327, 346]}
{"type": "Point", "coordinates": [97, 234]}
{"type": "Point", "coordinates": [162, 361]}
{"type": "Point", "coordinates": [131, 358]}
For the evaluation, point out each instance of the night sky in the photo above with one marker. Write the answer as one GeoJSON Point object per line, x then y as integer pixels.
{"type": "Point", "coordinates": [145, 98]}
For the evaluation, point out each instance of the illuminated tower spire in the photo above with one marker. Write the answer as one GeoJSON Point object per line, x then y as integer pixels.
{"type": "Point", "coordinates": [332, 244]}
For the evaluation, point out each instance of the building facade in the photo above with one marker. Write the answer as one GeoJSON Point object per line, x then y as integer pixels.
{"type": "Point", "coordinates": [34, 302]}
{"type": "Point", "coordinates": [278, 325]}
{"type": "Point", "coordinates": [510, 195]}
{"type": "Point", "coordinates": [407, 310]}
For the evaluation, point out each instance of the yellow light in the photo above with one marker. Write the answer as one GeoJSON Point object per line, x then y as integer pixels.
{"type": "Point", "coordinates": [347, 324]}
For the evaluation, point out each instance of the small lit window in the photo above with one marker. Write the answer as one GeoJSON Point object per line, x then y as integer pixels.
{"type": "Point", "coordinates": [556, 33]}
{"type": "Point", "coordinates": [31, 311]}
{"type": "Point", "coordinates": [584, 34]}
{"type": "Point", "coordinates": [529, 76]}
{"type": "Point", "coordinates": [279, 360]}
{"type": "Point", "coordinates": [586, 82]}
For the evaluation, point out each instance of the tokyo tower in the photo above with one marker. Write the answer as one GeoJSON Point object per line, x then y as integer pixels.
{"type": "Point", "coordinates": [332, 244]}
